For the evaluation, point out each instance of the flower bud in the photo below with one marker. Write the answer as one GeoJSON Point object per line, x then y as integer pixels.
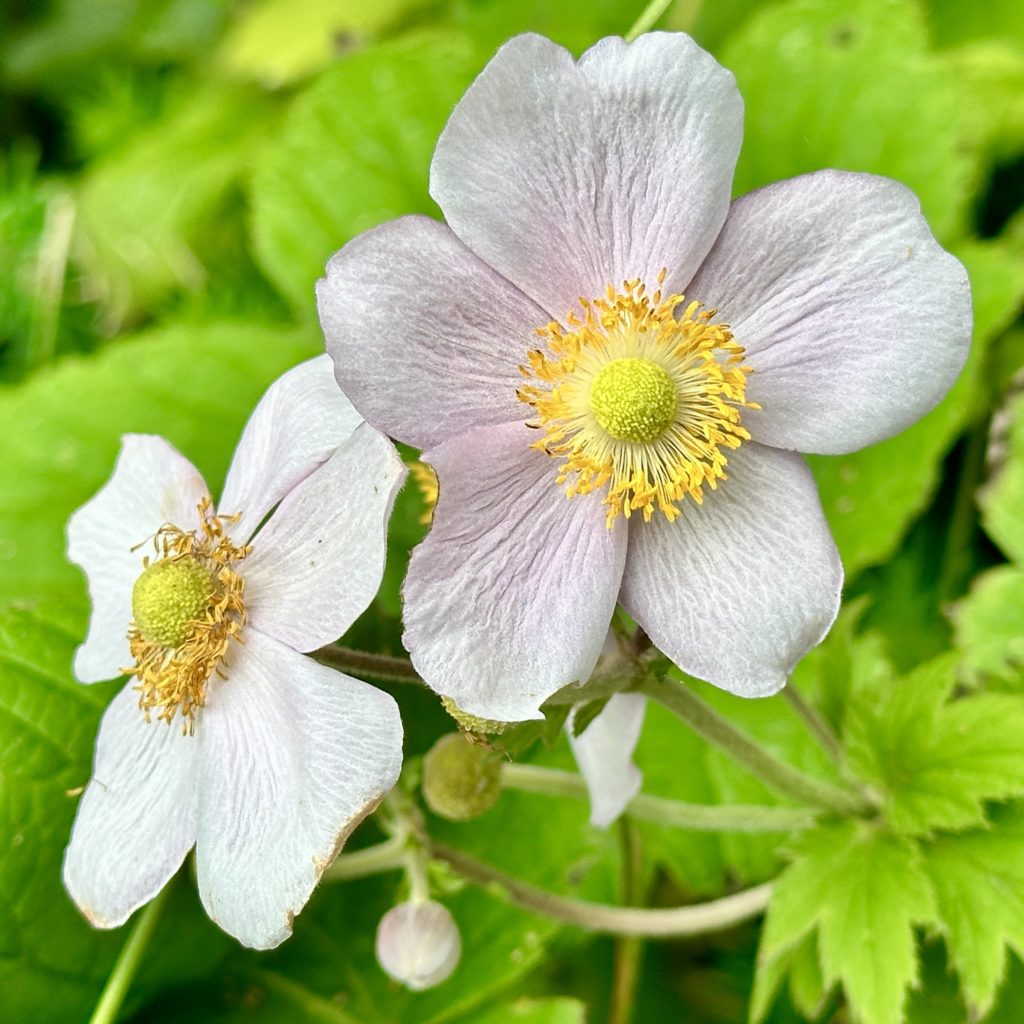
{"type": "Point", "coordinates": [460, 780]}
{"type": "Point", "coordinates": [418, 944]}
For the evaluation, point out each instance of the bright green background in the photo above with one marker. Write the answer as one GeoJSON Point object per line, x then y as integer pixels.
{"type": "Point", "coordinates": [175, 174]}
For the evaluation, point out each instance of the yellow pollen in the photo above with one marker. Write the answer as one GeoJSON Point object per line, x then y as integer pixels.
{"type": "Point", "coordinates": [633, 399]}
{"type": "Point", "coordinates": [639, 395]}
{"type": "Point", "coordinates": [426, 483]}
{"type": "Point", "coordinates": [187, 606]}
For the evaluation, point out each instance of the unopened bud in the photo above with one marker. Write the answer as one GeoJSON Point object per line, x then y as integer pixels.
{"type": "Point", "coordinates": [460, 780]}
{"type": "Point", "coordinates": [474, 724]}
{"type": "Point", "coordinates": [418, 944]}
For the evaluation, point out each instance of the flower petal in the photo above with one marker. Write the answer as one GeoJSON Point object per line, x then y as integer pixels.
{"type": "Point", "coordinates": [297, 425]}
{"type": "Point", "coordinates": [319, 560]}
{"type": "Point", "coordinates": [295, 755]}
{"type": "Point", "coordinates": [152, 484]}
{"type": "Point", "coordinates": [509, 597]}
{"type": "Point", "coordinates": [136, 820]}
{"type": "Point", "coordinates": [855, 321]}
{"type": "Point", "coordinates": [569, 177]}
{"type": "Point", "coordinates": [604, 754]}
{"type": "Point", "coordinates": [738, 589]}
{"type": "Point", "coordinates": [425, 336]}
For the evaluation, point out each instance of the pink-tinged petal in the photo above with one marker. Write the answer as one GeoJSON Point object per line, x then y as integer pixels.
{"type": "Point", "coordinates": [510, 596]}
{"type": "Point", "coordinates": [152, 485]}
{"type": "Point", "coordinates": [295, 755]}
{"type": "Point", "coordinates": [297, 426]}
{"type": "Point", "coordinates": [426, 338]}
{"type": "Point", "coordinates": [604, 754]}
{"type": "Point", "coordinates": [319, 560]}
{"type": "Point", "coordinates": [137, 817]}
{"type": "Point", "coordinates": [738, 589]}
{"type": "Point", "coordinates": [568, 177]}
{"type": "Point", "coordinates": [855, 321]}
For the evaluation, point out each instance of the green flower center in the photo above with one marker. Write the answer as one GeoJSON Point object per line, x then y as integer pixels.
{"type": "Point", "coordinates": [633, 399]}
{"type": "Point", "coordinates": [169, 596]}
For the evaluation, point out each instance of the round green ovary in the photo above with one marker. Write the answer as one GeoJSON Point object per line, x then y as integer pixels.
{"type": "Point", "coordinates": [633, 399]}
{"type": "Point", "coordinates": [168, 596]}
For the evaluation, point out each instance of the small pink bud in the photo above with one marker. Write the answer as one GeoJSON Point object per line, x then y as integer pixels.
{"type": "Point", "coordinates": [418, 944]}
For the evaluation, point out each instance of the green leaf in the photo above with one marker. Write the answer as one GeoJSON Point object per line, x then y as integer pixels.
{"type": "Point", "coordinates": [862, 891]}
{"type": "Point", "coordinates": [871, 496]}
{"type": "Point", "coordinates": [281, 41]}
{"type": "Point", "coordinates": [1002, 500]}
{"type": "Point", "coordinates": [142, 208]}
{"type": "Point", "coordinates": [987, 624]}
{"type": "Point", "coordinates": [801, 966]}
{"type": "Point", "coordinates": [194, 385]}
{"type": "Point", "coordinates": [533, 1011]}
{"type": "Point", "coordinates": [52, 964]}
{"type": "Point", "coordinates": [935, 762]}
{"type": "Point", "coordinates": [851, 86]}
{"type": "Point", "coordinates": [354, 150]}
{"type": "Point", "coordinates": [979, 886]}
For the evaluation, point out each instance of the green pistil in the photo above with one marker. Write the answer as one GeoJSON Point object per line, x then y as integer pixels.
{"type": "Point", "coordinates": [633, 399]}
{"type": "Point", "coordinates": [168, 596]}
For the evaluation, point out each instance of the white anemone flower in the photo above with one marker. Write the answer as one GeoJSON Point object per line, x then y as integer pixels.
{"type": "Point", "coordinates": [598, 437]}
{"type": "Point", "coordinates": [228, 737]}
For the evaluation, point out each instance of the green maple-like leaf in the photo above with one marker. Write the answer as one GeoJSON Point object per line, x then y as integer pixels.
{"type": "Point", "coordinates": [862, 891]}
{"type": "Point", "coordinates": [935, 761]}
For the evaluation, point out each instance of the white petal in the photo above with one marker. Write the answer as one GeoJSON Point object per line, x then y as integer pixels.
{"type": "Point", "coordinates": [510, 596]}
{"type": "Point", "coordinates": [418, 944]}
{"type": "Point", "coordinates": [297, 425]}
{"type": "Point", "coordinates": [152, 485]}
{"type": "Point", "coordinates": [855, 321]}
{"type": "Point", "coordinates": [567, 178]}
{"type": "Point", "coordinates": [738, 589]}
{"type": "Point", "coordinates": [319, 560]}
{"type": "Point", "coordinates": [604, 754]}
{"type": "Point", "coordinates": [425, 336]}
{"type": "Point", "coordinates": [295, 755]}
{"type": "Point", "coordinates": [137, 818]}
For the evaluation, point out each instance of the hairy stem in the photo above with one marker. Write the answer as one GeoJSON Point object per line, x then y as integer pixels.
{"type": "Point", "coordinates": [374, 860]}
{"type": "Point", "coordinates": [361, 663]}
{"type": "Point", "coordinates": [777, 775]}
{"type": "Point", "coordinates": [628, 948]}
{"type": "Point", "coordinates": [816, 724]}
{"type": "Point", "coordinates": [648, 18]}
{"type": "Point", "coordinates": [664, 923]}
{"type": "Point", "coordinates": [674, 813]}
{"type": "Point", "coordinates": [128, 961]}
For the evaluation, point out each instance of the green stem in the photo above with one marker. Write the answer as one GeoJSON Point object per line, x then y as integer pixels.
{"type": "Point", "coordinates": [648, 17]}
{"type": "Point", "coordinates": [816, 724]}
{"type": "Point", "coordinates": [387, 856]}
{"type": "Point", "coordinates": [671, 922]}
{"type": "Point", "coordinates": [628, 948]}
{"type": "Point", "coordinates": [128, 961]}
{"type": "Point", "coordinates": [361, 663]}
{"type": "Point", "coordinates": [673, 813]}
{"type": "Point", "coordinates": [777, 775]}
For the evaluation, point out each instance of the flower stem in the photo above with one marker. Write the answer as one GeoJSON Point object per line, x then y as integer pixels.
{"type": "Point", "coordinates": [377, 666]}
{"type": "Point", "coordinates": [128, 961]}
{"type": "Point", "coordinates": [777, 775]}
{"type": "Point", "coordinates": [374, 860]}
{"type": "Point", "coordinates": [670, 922]}
{"type": "Point", "coordinates": [532, 778]}
{"type": "Point", "coordinates": [816, 723]}
{"type": "Point", "coordinates": [628, 948]}
{"type": "Point", "coordinates": [648, 17]}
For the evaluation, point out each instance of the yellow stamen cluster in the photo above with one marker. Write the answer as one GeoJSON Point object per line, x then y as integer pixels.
{"type": "Point", "coordinates": [640, 393]}
{"type": "Point", "coordinates": [426, 482]}
{"type": "Point", "coordinates": [187, 607]}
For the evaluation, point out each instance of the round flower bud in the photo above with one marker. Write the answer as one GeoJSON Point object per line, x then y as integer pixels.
{"type": "Point", "coordinates": [418, 944]}
{"type": "Point", "coordinates": [474, 724]}
{"type": "Point", "coordinates": [460, 780]}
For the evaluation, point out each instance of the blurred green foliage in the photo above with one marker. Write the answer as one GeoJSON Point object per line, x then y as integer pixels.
{"type": "Point", "coordinates": [174, 175]}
